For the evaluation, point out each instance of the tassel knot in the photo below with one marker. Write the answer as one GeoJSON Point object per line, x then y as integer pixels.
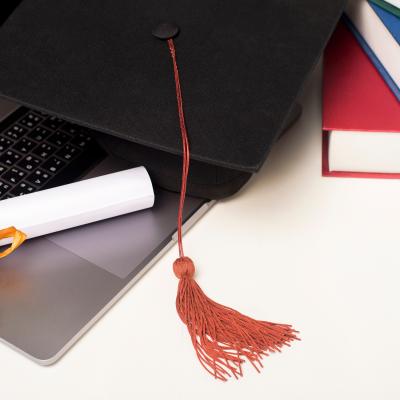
{"type": "Point", "coordinates": [184, 267]}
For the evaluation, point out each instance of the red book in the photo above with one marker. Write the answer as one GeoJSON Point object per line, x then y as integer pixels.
{"type": "Point", "coordinates": [361, 116]}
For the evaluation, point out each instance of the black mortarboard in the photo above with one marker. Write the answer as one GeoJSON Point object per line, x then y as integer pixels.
{"type": "Point", "coordinates": [242, 65]}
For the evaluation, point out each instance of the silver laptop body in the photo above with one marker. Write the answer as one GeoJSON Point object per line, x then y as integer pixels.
{"type": "Point", "coordinates": [54, 288]}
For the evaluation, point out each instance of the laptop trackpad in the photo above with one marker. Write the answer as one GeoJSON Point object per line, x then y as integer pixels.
{"type": "Point", "coordinates": [121, 245]}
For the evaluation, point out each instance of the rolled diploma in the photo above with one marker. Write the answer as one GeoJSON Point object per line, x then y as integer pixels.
{"type": "Point", "coordinates": [78, 203]}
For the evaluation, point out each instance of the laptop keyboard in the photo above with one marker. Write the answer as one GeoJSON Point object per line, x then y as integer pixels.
{"type": "Point", "coordinates": [39, 151]}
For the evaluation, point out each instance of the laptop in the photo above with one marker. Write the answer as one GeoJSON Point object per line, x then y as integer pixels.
{"type": "Point", "coordinates": [54, 288]}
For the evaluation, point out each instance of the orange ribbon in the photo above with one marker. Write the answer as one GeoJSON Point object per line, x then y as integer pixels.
{"type": "Point", "coordinates": [18, 238]}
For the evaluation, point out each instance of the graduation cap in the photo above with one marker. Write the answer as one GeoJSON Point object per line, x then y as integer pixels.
{"type": "Point", "coordinates": [198, 92]}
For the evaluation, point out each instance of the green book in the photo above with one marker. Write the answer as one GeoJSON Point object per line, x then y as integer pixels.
{"type": "Point", "coordinates": [388, 7]}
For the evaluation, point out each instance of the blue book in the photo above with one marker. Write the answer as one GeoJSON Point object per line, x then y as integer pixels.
{"type": "Point", "coordinates": [392, 24]}
{"type": "Point", "coordinates": [391, 21]}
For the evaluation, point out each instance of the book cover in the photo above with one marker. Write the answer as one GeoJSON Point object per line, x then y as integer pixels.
{"type": "Point", "coordinates": [387, 6]}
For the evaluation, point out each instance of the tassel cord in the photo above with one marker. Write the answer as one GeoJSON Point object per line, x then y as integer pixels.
{"type": "Point", "coordinates": [185, 145]}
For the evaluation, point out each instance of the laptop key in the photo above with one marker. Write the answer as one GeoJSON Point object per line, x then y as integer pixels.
{"type": "Point", "coordinates": [39, 134]}
{"type": "Point", "coordinates": [4, 188]}
{"type": "Point", "coordinates": [81, 140]}
{"type": "Point", "coordinates": [10, 158]}
{"type": "Point", "coordinates": [38, 177]}
{"type": "Point", "coordinates": [30, 120]}
{"type": "Point", "coordinates": [5, 143]}
{"type": "Point", "coordinates": [23, 188]}
{"type": "Point", "coordinates": [59, 138]}
{"type": "Point", "coordinates": [68, 152]}
{"type": "Point", "coordinates": [53, 164]}
{"type": "Point", "coordinates": [52, 123]}
{"type": "Point", "coordinates": [24, 145]}
{"type": "Point", "coordinates": [14, 175]}
{"type": "Point", "coordinates": [15, 132]}
{"type": "Point", "coordinates": [29, 163]}
{"type": "Point", "coordinates": [44, 150]}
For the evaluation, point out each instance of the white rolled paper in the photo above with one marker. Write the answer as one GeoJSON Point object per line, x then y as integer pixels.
{"type": "Point", "coordinates": [78, 203]}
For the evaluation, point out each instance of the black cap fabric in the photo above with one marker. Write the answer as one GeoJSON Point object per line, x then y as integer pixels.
{"type": "Point", "coordinates": [242, 64]}
{"type": "Point", "coordinates": [205, 180]}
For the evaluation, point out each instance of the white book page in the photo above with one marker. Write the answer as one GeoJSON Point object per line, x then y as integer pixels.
{"type": "Point", "coordinates": [356, 151]}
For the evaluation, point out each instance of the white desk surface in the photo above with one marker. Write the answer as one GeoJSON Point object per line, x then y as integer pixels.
{"type": "Point", "coordinates": [321, 253]}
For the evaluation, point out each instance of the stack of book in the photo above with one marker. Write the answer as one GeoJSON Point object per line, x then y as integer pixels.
{"type": "Point", "coordinates": [361, 93]}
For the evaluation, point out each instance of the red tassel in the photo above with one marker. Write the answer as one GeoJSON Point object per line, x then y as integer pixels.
{"type": "Point", "coordinates": [222, 337]}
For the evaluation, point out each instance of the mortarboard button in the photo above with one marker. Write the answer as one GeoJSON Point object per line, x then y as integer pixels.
{"type": "Point", "coordinates": [166, 30]}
